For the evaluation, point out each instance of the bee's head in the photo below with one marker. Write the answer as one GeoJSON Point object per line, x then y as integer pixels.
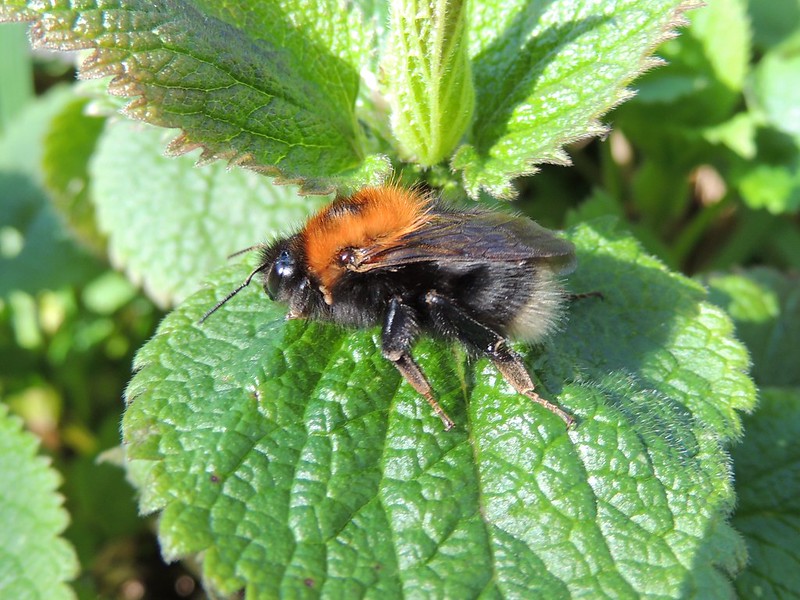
{"type": "Point", "coordinates": [285, 275]}
{"type": "Point", "coordinates": [282, 271]}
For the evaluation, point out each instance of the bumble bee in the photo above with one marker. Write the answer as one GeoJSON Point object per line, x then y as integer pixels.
{"type": "Point", "coordinates": [402, 259]}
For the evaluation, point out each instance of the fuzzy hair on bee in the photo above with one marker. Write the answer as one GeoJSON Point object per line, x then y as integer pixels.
{"type": "Point", "coordinates": [402, 259]}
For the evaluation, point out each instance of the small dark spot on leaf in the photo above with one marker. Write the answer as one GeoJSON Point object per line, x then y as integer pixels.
{"type": "Point", "coordinates": [214, 478]}
{"type": "Point", "coordinates": [309, 582]}
{"type": "Point", "coordinates": [377, 566]}
{"type": "Point", "coordinates": [256, 394]}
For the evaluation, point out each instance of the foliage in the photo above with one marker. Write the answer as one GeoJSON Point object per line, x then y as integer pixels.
{"type": "Point", "coordinates": [297, 463]}
{"type": "Point", "coordinates": [34, 561]}
{"type": "Point", "coordinates": [185, 63]}
{"type": "Point", "coordinates": [766, 307]}
{"type": "Point", "coordinates": [68, 329]}
{"type": "Point", "coordinates": [289, 458]}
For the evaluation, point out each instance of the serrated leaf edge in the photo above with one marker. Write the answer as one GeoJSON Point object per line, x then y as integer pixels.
{"type": "Point", "coordinates": [594, 127]}
{"type": "Point", "coordinates": [109, 62]}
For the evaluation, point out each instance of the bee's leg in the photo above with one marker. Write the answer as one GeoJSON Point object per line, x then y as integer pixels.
{"type": "Point", "coordinates": [399, 330]}
{"type": "Point", "coordinates": [450, 317]}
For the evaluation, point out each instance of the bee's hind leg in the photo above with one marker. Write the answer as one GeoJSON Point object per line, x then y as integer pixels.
{"type": "Point", "coordinates": [451, 319]}
{"type": "Point", "coordinates": [400, 328]}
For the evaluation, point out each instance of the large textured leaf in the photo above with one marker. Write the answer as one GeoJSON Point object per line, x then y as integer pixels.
{"type": "Point", "coordinates": [296, 462]}
{"type": "Point", "coordinates": [544, 73]}
{"type": "Point", "coordinates": [35, 562]}
{"type": "Point", "coordinates": [268, 85]}
{"type": "Point", "coordinates": [169, 223]}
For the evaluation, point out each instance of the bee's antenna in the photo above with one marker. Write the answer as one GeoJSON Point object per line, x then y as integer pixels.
{"type": "Point", "coordinates": [238, 252]}
{"type": "Point", "coordinates": [246, 282]}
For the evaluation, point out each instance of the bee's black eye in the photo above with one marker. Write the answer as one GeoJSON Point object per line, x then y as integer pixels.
{"type": "Point", "coordinates": [282, 269]}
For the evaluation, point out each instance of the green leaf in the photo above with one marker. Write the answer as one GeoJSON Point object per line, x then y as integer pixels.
{"type": "Point", "coordinates": [775, 188]}
{"type": "Point", "coordinates": [723, 30]}
{"type": "Point", "coordinates": [773, 21]}
{"type": "Point", "coordinates": [776, 87]}
{"type": "Point", "coordinates": [768, 511]}
{"type": "Point", "coordinates": [766, 308]}
{"type": "Point", "coordinates": [598, 204]}
{"type": "Point", "coordinates": [290, 89]}
{"type": "Point", "coordinates": [16, 74]}
{"type": "Point", "coordinates": [707, 64]}
{"type": "Point", "coordinates": [35, 562]}
{"type": "Point", "coordinates": [36, 250]}
{"type": "Point", "coordinates": [295, 461]}
{"type": "Point", "coordinates": [773, 181]}
{"type": "Point", "coordinates": [544, 74]}
{"type": "Point", "coordinates": [68, 146]}
{"type": "Point", "coordinates": [168, 222]}
{"type": "Point", "coordinates": [429, 79]}
{"type": "Point", "coordinates": [700, 88]}
{"type": "Point", "coordinates": [270, 85]}
{"type": "Point", "coordinates": [738, 134]}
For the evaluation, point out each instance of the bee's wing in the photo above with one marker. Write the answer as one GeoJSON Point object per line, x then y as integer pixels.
{"type": "Point", "coordinates": [471, 237]}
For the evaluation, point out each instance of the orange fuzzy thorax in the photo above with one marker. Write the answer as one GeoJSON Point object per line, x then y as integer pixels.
{"type": "Point", "coordinates": [373, 216]}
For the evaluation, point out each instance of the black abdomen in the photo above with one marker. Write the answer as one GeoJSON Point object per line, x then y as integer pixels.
{"type": "Point", "coordinates": [493, 295]}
